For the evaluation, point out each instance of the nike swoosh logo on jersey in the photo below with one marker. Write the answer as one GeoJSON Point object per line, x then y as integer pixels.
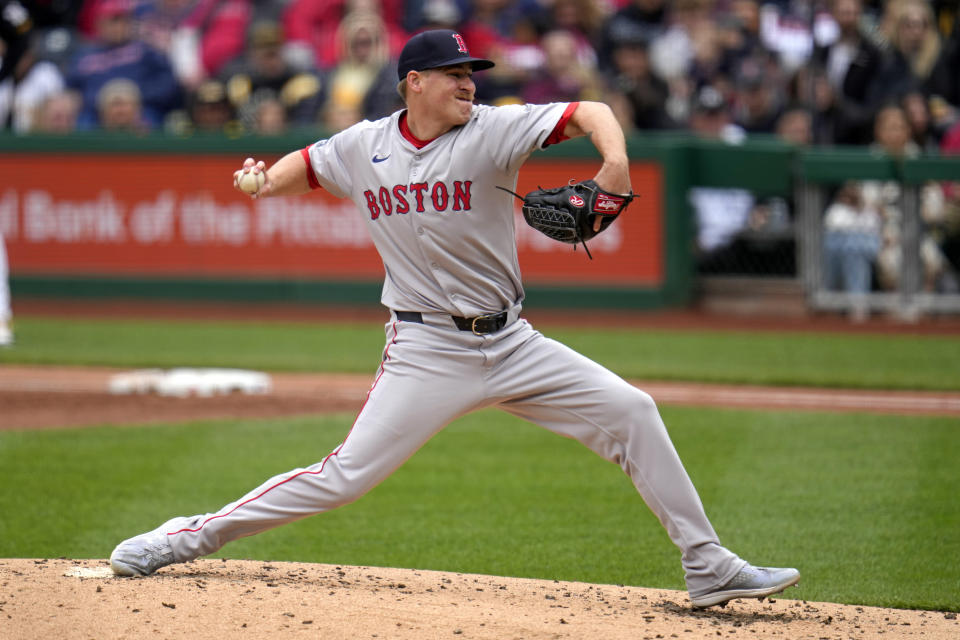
{"type": "Point", "coordinates": [377, 158]}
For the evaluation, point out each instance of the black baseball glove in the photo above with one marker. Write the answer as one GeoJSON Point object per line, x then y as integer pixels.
{"type": "Point", "coordinates": [568, 213]}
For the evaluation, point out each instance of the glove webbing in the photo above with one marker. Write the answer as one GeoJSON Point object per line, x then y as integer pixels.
{"type": "Point", "coordinates": [543, 212]}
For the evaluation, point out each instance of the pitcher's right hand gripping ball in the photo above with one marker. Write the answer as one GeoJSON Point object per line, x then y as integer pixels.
{"type": "Point", "coordinates": [569, 213]}
{"type": "Point", "coordinates": [251, 178]}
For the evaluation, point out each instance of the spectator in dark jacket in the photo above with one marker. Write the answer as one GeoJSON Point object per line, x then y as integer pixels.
{"type": "Point", "coordinates": [637, 95]}
{"type": "Point", "coordinates": [915, 46]}
{"type": "Point", "coordinates": [117, 54]}
{"type": "Point", "coordinates": [262, 74]}
{"type": "Point", "coordinates": [636, 21]}
{"type": "Point", "coordinates": [759, 99]}
{"type": "Point", "coordinates": [852, 64]}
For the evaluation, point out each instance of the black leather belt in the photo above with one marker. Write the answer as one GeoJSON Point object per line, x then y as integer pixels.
{"type": "Point", "coordinates": [490, 323]}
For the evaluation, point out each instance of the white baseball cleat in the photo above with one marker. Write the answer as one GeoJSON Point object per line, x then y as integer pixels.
{"type": "Point", "coordinates": [145, 553]}
{"type": "Point", "coordinates": [751, 582]}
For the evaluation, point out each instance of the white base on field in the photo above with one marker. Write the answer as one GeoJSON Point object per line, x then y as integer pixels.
{"type": "Point", "coordinates": [184, 382]}
{"type": "Point", "coordinates": [89, 572]}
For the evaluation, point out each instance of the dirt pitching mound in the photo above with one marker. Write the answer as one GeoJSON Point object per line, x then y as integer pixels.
{"type": "Point", "coordinates": [68, 599]}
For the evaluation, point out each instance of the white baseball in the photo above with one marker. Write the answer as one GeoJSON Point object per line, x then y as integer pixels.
{"type": "Point", "coordinates": [251, 182]}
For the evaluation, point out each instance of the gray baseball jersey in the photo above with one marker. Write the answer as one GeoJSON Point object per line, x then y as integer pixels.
{"type": "Point", "coordinates": [446, 236]}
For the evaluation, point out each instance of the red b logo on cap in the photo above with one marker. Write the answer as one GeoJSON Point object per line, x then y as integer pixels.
{"type": "Point", "coordinates": [461, 45]}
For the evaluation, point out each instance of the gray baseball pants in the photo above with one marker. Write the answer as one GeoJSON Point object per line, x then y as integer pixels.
{"type": "Point", "coordinates": [432, 374]}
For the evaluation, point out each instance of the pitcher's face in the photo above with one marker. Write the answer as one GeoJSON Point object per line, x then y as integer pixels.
{"type": "Point", "coordinates": [448, 93]}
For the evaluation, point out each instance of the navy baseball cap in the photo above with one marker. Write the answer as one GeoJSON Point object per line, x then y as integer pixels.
{"type": "Point", "coordinates": [436, 48]}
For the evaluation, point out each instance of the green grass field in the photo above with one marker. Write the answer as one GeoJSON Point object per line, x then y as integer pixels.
{"type": "Point", "coordinates": [805, 359]}
{"type": "Point", "coordinates": [865, 505]}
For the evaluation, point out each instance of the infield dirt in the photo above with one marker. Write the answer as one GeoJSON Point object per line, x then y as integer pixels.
{"type": "Point", "coordinates": [246, 599]}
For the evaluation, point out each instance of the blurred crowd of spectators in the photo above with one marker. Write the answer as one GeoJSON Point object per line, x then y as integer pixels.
{"type": "Point", "coordinates": [812, 71]}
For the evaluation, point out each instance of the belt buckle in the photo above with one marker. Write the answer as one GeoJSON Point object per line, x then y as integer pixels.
{"type": "Point", "coordinates": [473, 323]}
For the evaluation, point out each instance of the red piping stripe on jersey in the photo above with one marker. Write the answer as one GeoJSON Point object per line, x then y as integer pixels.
{"type": "Point", "coordinates": [557, 134]}
{"type": "Point", "coordinates": [311, 176]}
{"type": "Point", "coordinates": [386, 358]}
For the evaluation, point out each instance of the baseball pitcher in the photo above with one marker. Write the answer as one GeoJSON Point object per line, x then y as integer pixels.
{"type": "Point", "coordinates": [434, 184]}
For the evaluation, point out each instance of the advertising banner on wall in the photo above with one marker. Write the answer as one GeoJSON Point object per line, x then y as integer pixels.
{"type": "Point", "coordinates": [164, 215]}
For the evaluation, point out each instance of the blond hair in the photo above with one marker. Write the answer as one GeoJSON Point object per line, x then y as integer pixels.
{"type": "Point", "coordinates": [355, 22]}
{"type": "Point", "coordinates": [898, 11]}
